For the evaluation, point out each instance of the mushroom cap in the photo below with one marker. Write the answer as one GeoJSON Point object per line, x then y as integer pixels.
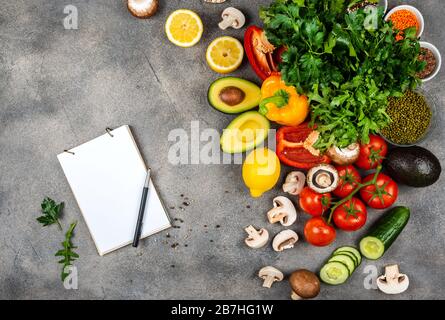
{"type": "Point", "coordinates": [237, 20]}
{"type": "Point", "coordinates": [283, 211]}
{"type": "Point", "coordinates": [284, 240]}
{"type": "Point", "coordinates": [305, 283]}
{"type": "Point", "coordinates": [142, 9]}
{"type": "Point", "coordinates": [270, 271]}
{"type": "Point", "coordinates": [294, 183]}
{"type": "Point", "coordinates": [323, 178]}
{"type": "Point", "coordinates": [393, 282]}
{"type": "Point", "coordinates": [256, 238]}
{"type": "Point", "coordinates": [344, 156]}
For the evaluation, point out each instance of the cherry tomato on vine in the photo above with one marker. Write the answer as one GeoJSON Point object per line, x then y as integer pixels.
{"type": "Point", "coordinates": [351, 215]}
{"type": "Point", "coordinates": [372, 154]}
{"type": "Point", "coordinates": [318, 232]}
{"type": "Point", "coordinates": [314, 203]}
{"type": "Point", "coordinates": [380, 195]}
{"type": "Point", "coordinates": [349, 178]}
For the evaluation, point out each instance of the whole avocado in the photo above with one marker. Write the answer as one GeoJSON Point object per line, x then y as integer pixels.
{"type": "Point", "coordinates": [413, 166]}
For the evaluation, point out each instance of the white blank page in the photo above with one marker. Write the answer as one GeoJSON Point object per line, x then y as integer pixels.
{"type": "Point", "coordinates": [107, 176]}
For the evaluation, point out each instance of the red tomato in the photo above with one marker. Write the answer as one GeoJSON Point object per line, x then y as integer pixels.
{"type": "Point", "coordinates": [314, 203]}
{"type": "Point", "coordinates": [382, 195]}
{"type": "Point", "coordinates": [318, 232]}
{"type": "Point", "coordinates": [349, 177]}
{"type": "Point", "coordinates": [372, 154]}
{"type": "Point", "coordinates": [350, 216]}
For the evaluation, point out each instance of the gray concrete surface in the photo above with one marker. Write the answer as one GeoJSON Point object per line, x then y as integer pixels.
{"type": "Point", "coordinates": [59, 88]}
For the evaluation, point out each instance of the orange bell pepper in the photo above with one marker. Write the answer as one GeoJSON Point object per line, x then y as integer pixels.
{"type": "Point", "coordinates": [282, 104]}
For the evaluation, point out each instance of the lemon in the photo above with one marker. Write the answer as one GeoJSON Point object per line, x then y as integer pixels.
{"type": "Point", "coordinates": [184, 28]}
{"type": "Point", "coordinates": [225, 54]}
{"type": "Point", "coordinates": [261, 171]}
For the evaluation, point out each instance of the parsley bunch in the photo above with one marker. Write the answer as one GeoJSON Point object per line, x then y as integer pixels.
{"type": "Point", "coordinates": [348, 64]}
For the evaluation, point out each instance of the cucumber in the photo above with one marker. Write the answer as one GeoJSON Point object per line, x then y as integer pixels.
{"type": "Point", "coordinates": [352, 250]}
{"type": "Point", "coordinates": [346, 260]}
{"type": "Point", "coordinates": [349, 254]}
{"type": "Point", "coordinates": [384, 233]}
{"type": "Point", "coordinates": [334, 273]}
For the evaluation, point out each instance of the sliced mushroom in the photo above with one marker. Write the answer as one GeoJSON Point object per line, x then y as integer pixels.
{"type": "Point", "coordinates": [305, 285]}
{"type": "Point", "coordinates": [232, 17]}
{"type": "Point", "coordinates": [283, 212]}
{"type": "Point", "coordinates": [256, 238]}
{"type": "Point", "coordinates": [344, 156]}
{"type": "Point", "coordinates": [294, 183]}
{"type": "Point", "coordinates": [284, 240]}
{"type": "Point", "coordinates": [393, 282]}
{"type": "Point", "coordinates": [215, 1]}
{"type": "Point", "coordinates": [323, 178]}
{"type": "Point", "coordinates": [142, 9]}
{"type": "Point", "coordinates": [270, 275]}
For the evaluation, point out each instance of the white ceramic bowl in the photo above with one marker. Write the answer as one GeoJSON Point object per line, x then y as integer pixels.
{"type": "Point", "coordinates": [413, 10]}
{"type": "Point", "coordinates": [438, 57]}
{"type": "Point", "coordinates": [384, 3]}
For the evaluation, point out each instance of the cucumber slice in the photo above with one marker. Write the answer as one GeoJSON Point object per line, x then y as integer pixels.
{"type": "Point", "coordinates": [346, 260]}
{"type": "Point", "coordinates": [372, 248]}
{"type": "Point", "coordinates": [334, 273]}
{"type": "Point", "coordinates": [352, 250]}
{"type": "Point", "coordinates": [351, 255]}
{"type": "Point", "coordinates": [384, 233]}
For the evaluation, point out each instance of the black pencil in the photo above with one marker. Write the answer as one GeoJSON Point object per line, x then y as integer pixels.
{"type": "Point", "coordinates": [137, 233]}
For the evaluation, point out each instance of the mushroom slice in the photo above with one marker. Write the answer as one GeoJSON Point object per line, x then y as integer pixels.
{"type": "Point", "coordinates": [344, 156]}
{"type": "Point", "coordinates": [323, 178]}
{"type": "Point", "coordinates": [142, 8]}
{"type": "Point", "coordinates": [294, 183]}
{"type": "Point", "coordinates": [284, 240]}
{"type": "Point", "coordinates": [270, 275]}
{"type": "Point", "coordinates": [232, 17]}
{"type": "Point", "coordinates": [256, 238]}
{"type": "Point", "coordinates": [215, 1]}
{"type": "Point", "coordinates": [393, 282]}
{"type": "Point", "coordinates": [283, 212]}
{"type": "Point", "coordinates": [305, 285]}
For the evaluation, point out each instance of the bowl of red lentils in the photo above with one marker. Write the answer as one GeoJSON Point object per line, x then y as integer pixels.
{"type": "Point", "coordinates": [404, 17]}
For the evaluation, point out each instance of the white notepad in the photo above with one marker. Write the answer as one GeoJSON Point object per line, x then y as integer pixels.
{"type": "Point", "coordinates": [107, 176]}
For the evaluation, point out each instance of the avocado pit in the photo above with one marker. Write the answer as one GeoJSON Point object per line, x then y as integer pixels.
{"type": "Point", "coordinates": [232, 95]}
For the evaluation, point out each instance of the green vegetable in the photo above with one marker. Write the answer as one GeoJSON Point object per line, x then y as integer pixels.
{"type": "Point", "coordinates": [352, 250]}
{"type": "Point", "coordinates": [67, 252]}
{"type": "Point", "coordinates": [347, 66]}
{"type": "Point", "coordinates": [346, 260]}
{"type": "Point", "coordinates": [383, 234]}
{"type": "Point", "coordinates": [51, 212]}
{"type": "Point", "coordinates": [334, 273]}
{"type": "Point", "coordinates": [411, 117]}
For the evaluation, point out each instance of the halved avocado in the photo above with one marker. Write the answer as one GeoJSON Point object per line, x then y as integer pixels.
{"type": "Point", "coordinates": [233, 95]}
{"type": "Point", "coordinates": [245, 132]}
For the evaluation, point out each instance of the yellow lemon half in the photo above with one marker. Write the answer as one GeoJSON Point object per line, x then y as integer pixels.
{"type": "Point", "coordinates": [184, 28]}
{"type": "Point", "coordinates": [225, 54]}
{"type": "Point", "coordinates": [261, 171]}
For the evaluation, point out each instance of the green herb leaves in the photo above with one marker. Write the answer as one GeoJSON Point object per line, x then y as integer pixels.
{"type": "Point", "coordinates": [67, 253]}
{"type": "Point", "coordinates": [51, 212]}
{"type": "Point", "coordinates": [348, 64]}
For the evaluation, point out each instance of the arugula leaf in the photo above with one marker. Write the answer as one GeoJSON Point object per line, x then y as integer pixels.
{"type": "Point", "coordinates": [51, 212]}
{"type": "Point", "coordinates": [346, 67]}
{"type": "Point", "coordinates": [67, 252]}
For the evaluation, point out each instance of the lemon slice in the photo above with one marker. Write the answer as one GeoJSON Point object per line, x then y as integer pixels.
{"type": "Point", "coordinates": [184, 28]}
{"type": "Point", "coordinates": [225, 54]}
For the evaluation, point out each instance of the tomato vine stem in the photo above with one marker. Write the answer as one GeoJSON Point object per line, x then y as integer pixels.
{"type": "Point", "coordinates": [357, 189]}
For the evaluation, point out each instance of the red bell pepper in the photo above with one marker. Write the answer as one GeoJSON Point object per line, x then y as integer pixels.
{"type": "Point", "coordinates": [259, 51]}
{"type": "Point", "coordinates": [295, 147]}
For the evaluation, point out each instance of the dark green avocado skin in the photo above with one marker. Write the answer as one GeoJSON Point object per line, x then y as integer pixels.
{"type": "Point", "coordinates": [413, 166]}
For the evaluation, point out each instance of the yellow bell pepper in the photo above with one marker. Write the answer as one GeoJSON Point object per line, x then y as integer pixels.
{"type": "Point", "coordinates": [282, 104]}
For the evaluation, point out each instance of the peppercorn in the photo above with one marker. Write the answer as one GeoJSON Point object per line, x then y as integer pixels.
{"type": "Point", "coordinates": [410, 118]}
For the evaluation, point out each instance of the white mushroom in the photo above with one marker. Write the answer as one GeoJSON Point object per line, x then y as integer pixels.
{"type": "Point", "coordinates": [284, 240]}
{"type": "Point", "coordinates": [323, 178]}
{"type": "Point", "coordinates": [142, 8]}
{"type": "Point", "coordinates": [344, 156]}
{"type": "Point", "coordinates": [283, 212]}
{"type": "Point", "coordinates": [232, 17]}
{"type": "Point", "coordinates": [256, 238]}
{"type": "Point", "coordinates": [270, 275]}
{"type": "Point", "coordinates": [215, 1]}
{"type": "Point", "coordinates": [294, 183]}
{"type": "Point", "coordinates": [393, 282]}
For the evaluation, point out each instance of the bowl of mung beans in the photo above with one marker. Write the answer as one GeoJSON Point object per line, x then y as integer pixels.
{"type": "Point", "coordinates": [412, 118]}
